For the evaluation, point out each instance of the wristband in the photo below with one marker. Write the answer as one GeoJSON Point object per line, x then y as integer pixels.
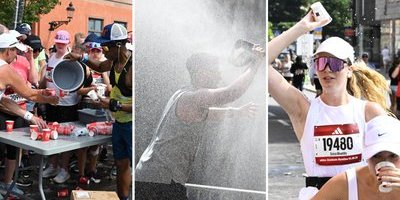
{"type": "Point", "coordinates": [85, 58]}
{"type": "Point", "coordinates": [114, 105]}
{"type": "Point", "coordinates": [28, 116]}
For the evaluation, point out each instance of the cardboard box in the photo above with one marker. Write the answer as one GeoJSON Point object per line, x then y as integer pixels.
{"type": "Point", "coordinates": [93, 195]}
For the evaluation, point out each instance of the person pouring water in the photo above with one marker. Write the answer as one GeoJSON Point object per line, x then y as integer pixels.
{"type": "Point", "coordinates": [330, 128]}
{"type": "Point", "coordinates": [119, 62]}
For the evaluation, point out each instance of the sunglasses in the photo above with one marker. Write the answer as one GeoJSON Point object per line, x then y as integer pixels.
{"type": "Point", "coordinates": [335, 64]}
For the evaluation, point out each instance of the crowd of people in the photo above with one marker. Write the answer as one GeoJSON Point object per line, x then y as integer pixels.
{"type": "Point", "coordinates": [26, 97]}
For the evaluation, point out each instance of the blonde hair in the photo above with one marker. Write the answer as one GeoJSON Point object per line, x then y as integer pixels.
{"type": "Point", "coordinates": [368, 84]}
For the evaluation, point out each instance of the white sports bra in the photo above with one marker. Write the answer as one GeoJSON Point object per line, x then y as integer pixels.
{"type": "Point", "coordinates": [352, 183]}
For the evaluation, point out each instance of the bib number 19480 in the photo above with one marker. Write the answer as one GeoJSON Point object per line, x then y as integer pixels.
{"type": "Point", "coordinates": [338, 143]}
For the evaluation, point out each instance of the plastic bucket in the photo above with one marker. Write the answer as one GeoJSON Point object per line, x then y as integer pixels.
{"type": "Point", "coordinates": [68, 75]}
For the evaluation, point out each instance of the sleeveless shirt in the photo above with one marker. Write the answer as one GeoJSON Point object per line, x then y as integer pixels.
{"type": "Point", "coordinates": [172, 149]}
{"type": "Point", "coordinates": [331, 135]}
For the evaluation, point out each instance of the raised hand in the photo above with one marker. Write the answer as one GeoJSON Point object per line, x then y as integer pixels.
{"type": "Point", "coordinates": [248, 110]}
{"type": "Point", "coordinates": [309, 23]}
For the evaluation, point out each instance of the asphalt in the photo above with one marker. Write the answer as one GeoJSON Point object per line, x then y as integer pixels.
{"type": "Point", "coordinates": [285, 164]}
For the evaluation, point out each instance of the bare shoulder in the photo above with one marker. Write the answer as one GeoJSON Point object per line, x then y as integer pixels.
{"type": "Point", "coordinates": [372, 110]}
{"type": "Point", "coordinates": [335, 188]}
{"type": "Point", "coordinates": [189, 108]}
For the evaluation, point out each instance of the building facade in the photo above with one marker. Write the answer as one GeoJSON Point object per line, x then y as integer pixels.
{"type": "Point", "coordinates": [387, 12]}
{"type": "Point", "coordinates": [90, 16]}
{"type": "Point", "coordinates": [368, 30]}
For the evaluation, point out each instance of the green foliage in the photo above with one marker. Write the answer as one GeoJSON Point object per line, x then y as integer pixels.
{"type": "Point", "coordinates": [282, 13]}
{"type": "Point", "coordinates": [270, 33]}
{"type": "Point", "coordinates": [32, 10]}
{"type": "Point", "coordinates": [284, 10]}
{"type": "Point", "coordinates": [341, 13]}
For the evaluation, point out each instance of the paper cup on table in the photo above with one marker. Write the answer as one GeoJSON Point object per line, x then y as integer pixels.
{"type": "Point", "coordinates": [55, 126]}
{"type": "Point", "coordinates": [46, 134]}
{"type": "Point", "coordinates": [33, 128]}
{"type": "Point", "coordinates": [9, 125]}
{"type": "Point", "coordinates": [34, 135]}
{"type": "Point", "coordinates": [39, 136]}
{"type": "Point", "coordinates": [92, 94]}
{"type": "Point", "coordinates": [54, 135]}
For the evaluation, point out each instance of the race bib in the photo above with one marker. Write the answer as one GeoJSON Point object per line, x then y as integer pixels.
{"type": "Point", "coordinates": [338, 144]}
{"type": "Point", "coordinates": [97, 79]}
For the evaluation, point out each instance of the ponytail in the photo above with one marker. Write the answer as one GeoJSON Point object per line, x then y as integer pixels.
{"type": "Point", "coordinates": [368, 84]}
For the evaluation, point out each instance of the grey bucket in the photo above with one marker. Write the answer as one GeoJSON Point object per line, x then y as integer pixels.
{"type": "Point", "coordinates": [68, 75]}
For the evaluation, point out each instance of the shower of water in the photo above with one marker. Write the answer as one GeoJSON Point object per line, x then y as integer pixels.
{"type": "Point", "coordinates": [232, 153]}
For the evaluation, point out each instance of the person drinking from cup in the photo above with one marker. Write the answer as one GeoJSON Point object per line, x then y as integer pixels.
{"type": "Point", "coordinates": [380, 179]}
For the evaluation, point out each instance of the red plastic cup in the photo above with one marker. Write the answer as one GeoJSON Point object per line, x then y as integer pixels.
{"type": "Point", "coordinates": [51, 91]}
{"type": "Point", "coordinates": [54, 135]}
{"type": "Point", "coordinates": [46, 134]}
{"type": "Point", "coordinates": [39, 136]}
{"type": "Point", "coordinates": [34, 135]}
{"type": "Point", "coordinates": [33, 127]}
{"type": "Point", "coordinates": [62, 192]}
{"type": "Point", "coordinates": [9, 126]}
{"type": "Point", "coordinates": [55, 126]}
{"type": "Point", "coordinates": [84, 180]}
{"type": "Point", "coordinates": [63, 93]}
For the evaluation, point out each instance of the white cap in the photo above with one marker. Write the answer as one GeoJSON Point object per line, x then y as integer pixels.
{"type": "Point", "coordinates": [337, 47]}
{"type": "Point", "coordinates": [15, 33]}
{"type": "Point", "coordinates": [382, 134]}
{"type": "Point", "coordinates": [7, 40]}
{"type": "Point", "coordinates": [118, 32]}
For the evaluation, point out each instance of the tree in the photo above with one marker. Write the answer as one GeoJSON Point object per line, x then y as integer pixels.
{"type": "Point", "coordinates": [32, 10]}
{"type": "Point", "coordinates": [341, 13]}
{"type": "Point", "coordinates": [286, 12]}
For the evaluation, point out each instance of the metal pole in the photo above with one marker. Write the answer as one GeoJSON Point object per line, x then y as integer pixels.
{"type": "Point", "coordinates": [393, 43]}
{"type": "Point", "coordinates": [16, 13]}
{"type": "Point", "coordinates": [21, 7]}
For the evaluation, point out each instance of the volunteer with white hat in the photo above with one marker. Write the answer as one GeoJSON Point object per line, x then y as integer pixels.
{"type": "Point", "coordinates": [330, 128]}
{"type": "Point", "coordinates": [8, 52]}
{"type": "Point", "coordinates": [381, 178]}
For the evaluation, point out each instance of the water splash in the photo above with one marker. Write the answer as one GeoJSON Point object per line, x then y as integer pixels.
{"type": "Point", "coordinates": [231, 154]}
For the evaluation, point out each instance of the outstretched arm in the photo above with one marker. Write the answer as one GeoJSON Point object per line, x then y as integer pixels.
{"type": "Point", "coordinates": [286, 95]}
{"type": "Point", "coordinates": [206, 98]}
{"type": "Point", "coordinates": [218, 113]}
{"type": "Point", "coordinates": [291, 99]}
{"type": "Point", "coordinates": [13, 107]}
{"type": "Point", "coordinates": [10, 78]}
{"type": "Point", "coordinates": [99, 66]}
